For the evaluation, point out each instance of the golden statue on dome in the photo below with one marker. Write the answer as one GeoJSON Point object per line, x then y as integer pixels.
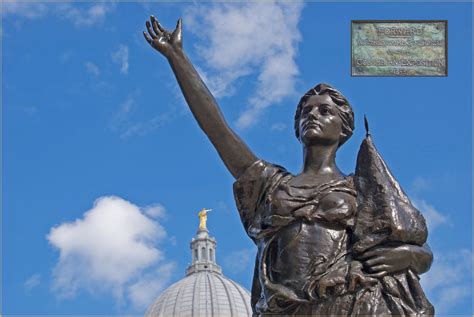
{"type": "Point", "coordinates": [203, 218]}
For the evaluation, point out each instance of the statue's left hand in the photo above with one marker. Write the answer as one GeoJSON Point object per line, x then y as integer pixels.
{"type": "Point", "coordinates": [381, 261]}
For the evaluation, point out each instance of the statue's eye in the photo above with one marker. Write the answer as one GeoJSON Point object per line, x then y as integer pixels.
{"type": "Point", "coordinates": [324, 111]}
{"type": "Point", "coordinates": [306, 110]}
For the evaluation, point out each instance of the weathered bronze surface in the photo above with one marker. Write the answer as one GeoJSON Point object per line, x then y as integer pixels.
{"type": "Point", "coordinates": [328, 243]}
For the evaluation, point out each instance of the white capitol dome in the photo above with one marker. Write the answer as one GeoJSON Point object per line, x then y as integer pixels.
{"type": "Point", "coordinates": [204, 291]}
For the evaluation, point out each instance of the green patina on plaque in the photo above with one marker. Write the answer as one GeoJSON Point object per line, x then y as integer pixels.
{"type": "Point", "coordinates": [399, 48]}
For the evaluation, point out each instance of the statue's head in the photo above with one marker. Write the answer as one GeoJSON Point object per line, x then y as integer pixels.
{"type": "Point", "coordinates": [324, 103]}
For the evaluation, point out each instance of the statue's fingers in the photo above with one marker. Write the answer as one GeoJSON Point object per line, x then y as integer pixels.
{"type": "Point", "coordinates": [373, 261]}
{"type": "Point", "coordinates": [365, 255]}
{"type": "Point", "coordinates": [369, 254]}
{"type": "Point", "coordinates": [147, 38]}
{"type": "Point", "coordinates": [379, 274]}
{"type": "Point", "coordinates": [379, 268]}
{"type": "Point", "coordinates": [156, 26]}
{"type": "Point", "coordinates": [148, 27]}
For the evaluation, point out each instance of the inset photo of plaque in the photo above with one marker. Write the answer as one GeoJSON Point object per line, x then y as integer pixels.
{"type": "Point", "coordinates": [399, 48]}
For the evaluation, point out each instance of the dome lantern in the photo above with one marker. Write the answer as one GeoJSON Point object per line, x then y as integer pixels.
{"type": "Point", "coordinates": [203, 248]}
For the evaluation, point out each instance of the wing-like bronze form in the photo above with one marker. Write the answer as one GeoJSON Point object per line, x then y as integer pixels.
{"type": "Point", "coordinates": [384, 213]}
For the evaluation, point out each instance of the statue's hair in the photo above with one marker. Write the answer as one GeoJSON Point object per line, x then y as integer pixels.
{"type": "Point", "coordinates": [345, 110]}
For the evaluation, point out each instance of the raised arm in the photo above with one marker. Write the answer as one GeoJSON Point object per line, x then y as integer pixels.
{"type": "Point", "coordinates": [233, 151]}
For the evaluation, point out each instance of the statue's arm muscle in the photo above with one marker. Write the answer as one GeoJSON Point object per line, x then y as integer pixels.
{"type": "Point", "coordinates": [233, 151]}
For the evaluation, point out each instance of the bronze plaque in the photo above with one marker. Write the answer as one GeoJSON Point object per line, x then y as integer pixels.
{"type": "Point", "coordinates": [399, 48]}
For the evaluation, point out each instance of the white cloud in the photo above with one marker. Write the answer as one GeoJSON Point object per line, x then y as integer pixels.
{"type": "Point", "coordinates": [30, 10]}
{"type": "Point", "coordinates": [84, 17]}
{"type": "Point", "coordinates": [80, 14]}
{"type": "Point", "coordinates": [121, 57]}
{"type": "Point", "coordinates": [92, 68]}
{"type": "Point", "coordinates": [155, 210]}
{"type": "Point", "coordinates": [448, 281]}
{"type": "Point", "coordinates": [240, 260]}
{"type": "Point", "coordinates": [32, 282]}
{"type": "Point", "coordinates": [109, 250]}
{"type": "Point", "coordinates": [433, 217]}
{"type": "Point", "coordinates": [249, 38]}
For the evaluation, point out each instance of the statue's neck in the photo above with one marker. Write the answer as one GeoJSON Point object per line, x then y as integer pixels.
{"type": "Point", "coordinates": [320, 160]}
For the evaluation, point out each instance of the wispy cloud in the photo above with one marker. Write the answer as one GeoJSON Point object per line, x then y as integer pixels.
{"type": "Point", "coordinates": [92, 68]}
{"type": "Point", "coordinates": [32, 282]}
{"type": "Point", "coordinates": [240, 260]}
{"type": "Point", "coordinates": [29, 10]}
{"type": "Point", "coordinates": [79, 14]}
{"type": "Point", "coordinates": [66, 56]}
{"type": "Point", "coordinates": [120, 56]}
{"type": "Point", "coordinates": [121, 117]}
{"type": "Point", "coordinates": [111, 249]}
{"type": "Point", "coordinates": [126, 121]}
{"type": "Point", "coordinates": [82, 15]}
{"type": "Point", "coordinates": [155, 210]}
{"type": "Point", "coordinates": [448, 282]}
{"type": "Point", "coordinates": [434, 218]}
{"type": "Point", "coordinates": [420, 184]}
{"type": "Point", "coordinates": [145, 127]}
{"type": "Point", "coordinates": [278, 126]}
{"type": "Point", "coordinates": [249, 38]}
{"type": "Point", "coordinates": [223, 206]}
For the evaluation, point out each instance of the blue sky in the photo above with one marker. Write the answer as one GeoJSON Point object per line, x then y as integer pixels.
{"type": "Point", "coordinates": [104, 168]}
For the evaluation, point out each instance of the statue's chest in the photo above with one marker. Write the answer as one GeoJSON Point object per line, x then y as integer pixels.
{"type": "Point", "coordinates": [327, 204]}
{"type": "Point", "coordinates": [287, 199]}
{"type": "Point", "coordinates": [291, 195]}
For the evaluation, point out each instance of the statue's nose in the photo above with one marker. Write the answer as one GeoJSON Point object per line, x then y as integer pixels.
{"type": "Point", "coordinates": [314, 114]}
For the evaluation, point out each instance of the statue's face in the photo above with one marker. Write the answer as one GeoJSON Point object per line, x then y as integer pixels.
{"type": "Point", "coordinates": [320, 122]}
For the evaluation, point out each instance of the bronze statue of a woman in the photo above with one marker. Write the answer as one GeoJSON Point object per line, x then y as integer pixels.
{"type": "Point", "coordinates": [328, 243]}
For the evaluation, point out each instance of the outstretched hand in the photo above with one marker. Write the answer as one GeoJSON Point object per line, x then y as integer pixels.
{"type": "Point", "coordinates": [162, 40]}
